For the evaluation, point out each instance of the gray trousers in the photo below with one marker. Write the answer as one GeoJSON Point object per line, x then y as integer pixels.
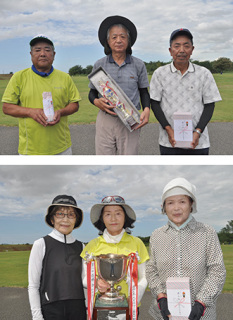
{"type": "Point", "coordinates": [113, 138]}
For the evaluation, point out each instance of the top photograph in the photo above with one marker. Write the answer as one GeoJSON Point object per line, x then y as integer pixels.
{"type": "Point", "coordinates": [128, 84]}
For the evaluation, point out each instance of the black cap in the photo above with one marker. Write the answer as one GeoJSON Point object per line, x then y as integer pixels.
{"type": "Point", "coordinates": [181, 31]}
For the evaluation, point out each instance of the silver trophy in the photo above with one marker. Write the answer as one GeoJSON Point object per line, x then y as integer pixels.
{"type": "Point", "coordinates": [112, 268]}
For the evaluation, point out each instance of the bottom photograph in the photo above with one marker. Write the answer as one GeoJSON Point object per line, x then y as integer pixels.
{"type": "Point", "coordinates": [101, 242]}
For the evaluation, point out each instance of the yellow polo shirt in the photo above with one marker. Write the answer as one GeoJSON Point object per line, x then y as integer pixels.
{"type": "Point", "coordinates": [128, 244]}
{"type": "Point", "coordinates": [25, 89]}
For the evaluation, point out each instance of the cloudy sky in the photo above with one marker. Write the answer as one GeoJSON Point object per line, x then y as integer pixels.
{"type": "Point", "coordinates": [27, 191]}
{"type": "Point", "coordinates": [73, 26]}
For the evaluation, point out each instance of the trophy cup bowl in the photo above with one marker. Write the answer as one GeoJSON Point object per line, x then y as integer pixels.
{"type": "Point", "coordinates": [112, 268]}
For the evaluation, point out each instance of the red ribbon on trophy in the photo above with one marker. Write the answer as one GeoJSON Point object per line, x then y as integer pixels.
{"type": "Point", "coordinates": [91, 276]}
{"type": "Point", "coordinates": [133, 284]}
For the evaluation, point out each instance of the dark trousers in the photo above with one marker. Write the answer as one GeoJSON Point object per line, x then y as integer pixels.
{"type": "Point", "coordinates": [165, 151]}
{"type": "Point", "coordinates": [65, 310]}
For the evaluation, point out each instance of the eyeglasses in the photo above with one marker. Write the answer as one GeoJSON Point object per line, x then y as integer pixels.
{"type": "Point", "coordinates": [116, 199]}
{"type": "Point", "coordinates": [61, 215]}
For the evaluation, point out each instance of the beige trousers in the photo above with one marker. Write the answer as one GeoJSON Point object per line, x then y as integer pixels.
{"type": "Point", "coordinates": [113, 138]}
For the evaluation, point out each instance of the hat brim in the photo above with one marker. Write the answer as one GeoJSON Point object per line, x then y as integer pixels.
{"type": "Point", "coordinates": [110, 21]}
{"type": "Point", "coordinates": [175, 192]}
{"type": "Point", "coordinates": [79, 219]}
{"type": "Point", "coordinates": [186, 33]}
{"type": "Point", "coordinates": [40, 39]}
{"type": "Point", "coordinates": [97, 209]}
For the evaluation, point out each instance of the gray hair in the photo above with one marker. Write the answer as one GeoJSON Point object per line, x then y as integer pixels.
{"type": "Point", "coordinates": [119, 26]}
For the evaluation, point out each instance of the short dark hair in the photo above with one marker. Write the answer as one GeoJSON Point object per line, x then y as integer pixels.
{"type": "Point", "coordinates": [190, 200]}
{"type": "Point", "coordinates": [101, 226]}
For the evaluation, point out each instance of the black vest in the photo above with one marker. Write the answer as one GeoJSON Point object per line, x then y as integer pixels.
{"type": "Point", "coordinates": [61, 277]}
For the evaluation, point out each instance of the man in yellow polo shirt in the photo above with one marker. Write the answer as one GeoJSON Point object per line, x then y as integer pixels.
{"type": "Point", "coordinates": [24, 95]}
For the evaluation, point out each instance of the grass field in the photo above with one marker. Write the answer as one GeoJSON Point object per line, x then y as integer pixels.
{"type": "Point", "coordinates": [14, 266]}
{"type": "Point", "coordinates": [87, 112]}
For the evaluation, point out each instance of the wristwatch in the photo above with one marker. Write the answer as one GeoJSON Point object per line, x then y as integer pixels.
{"type": "Point", "coordinates": [198, 131]}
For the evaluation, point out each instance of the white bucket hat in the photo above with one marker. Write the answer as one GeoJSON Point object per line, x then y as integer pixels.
{"type": "Point", "coordinates": [180, 186]}
{"type": "Point", "coordinates": [96, 210]}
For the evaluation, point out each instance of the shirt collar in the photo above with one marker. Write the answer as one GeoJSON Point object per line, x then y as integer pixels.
{"type": "Point", "coordinates": [115, 239]}
{"type": "Point", "coordinates": [112, 239]}
{"type": "Point", "coordinates": [189, 223]}
{"type": "Point", "coordinates": [42, 74]}
{"type": "Point", "coordinates": [127, 59]}
{"type": "Point", "coordinates": [190, 68]}
{"type": "Point", "coordinates": [60, 236]}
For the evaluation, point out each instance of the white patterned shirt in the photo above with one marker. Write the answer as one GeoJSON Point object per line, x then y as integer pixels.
{"type": "Point", "coordinates": [193, 252]}
{"type": "Point", "coordinates": [183, 93]}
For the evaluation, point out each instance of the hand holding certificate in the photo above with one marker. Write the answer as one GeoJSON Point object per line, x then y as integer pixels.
{"type": "Point", "coordinates": [183, 129]}
{"type": "Point", "coordinates": [179, 298]}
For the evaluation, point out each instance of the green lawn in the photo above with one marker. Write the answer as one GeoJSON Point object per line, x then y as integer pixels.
{"type": "Point", "coordinates": [14, 266]}
{"type": "Point", "coordinates": [87, 112]}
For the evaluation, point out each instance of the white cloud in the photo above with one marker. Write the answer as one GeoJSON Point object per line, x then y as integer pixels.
{"type": "Point", "coordinates": [27, 191]}
{"type": "Point", "coordinates": [75, 23]}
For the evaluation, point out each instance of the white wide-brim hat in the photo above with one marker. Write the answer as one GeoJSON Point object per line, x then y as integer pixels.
{"type": "Point", "coordinates": [96, 210]}
{"type": "Point", "coordinates": [180, 186]}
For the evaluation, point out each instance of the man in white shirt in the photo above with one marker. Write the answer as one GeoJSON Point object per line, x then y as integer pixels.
{"type": "Point", "coordinates": [183, 87]}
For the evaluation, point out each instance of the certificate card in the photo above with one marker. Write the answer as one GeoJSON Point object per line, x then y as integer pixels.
{"type": "Point", "coordinates": [183, 129]}
{"type": "Point", "coordinates": [110, 90]}
{"type": "Point", "coordinates": [48, 105]}
{"type": "Point", "coordinates": [179, 298]}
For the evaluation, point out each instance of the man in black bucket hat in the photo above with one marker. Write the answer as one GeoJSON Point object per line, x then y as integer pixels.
{"type": "Point", "coordinates": [117, 35]}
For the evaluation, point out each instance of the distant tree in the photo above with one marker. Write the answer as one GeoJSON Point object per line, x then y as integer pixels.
{"type": "Point", "coordinates": [75, 70]}
{"type": "Point", "coordinates": [88, 69]}
{"type": "Point", "coordinates": [226, 234]}
{"type": "Point", "coordinates": [80, 70]}
{"type": "Point", "coordinates": [153, 65]}
{"type": "Point", "coordinates": [206, 64]}
{"type": "Point", "coordinates": [145, 240]}
{"type": "Point", "coordinates": [222, 64]}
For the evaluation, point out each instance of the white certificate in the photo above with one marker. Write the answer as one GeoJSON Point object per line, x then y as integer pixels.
{"type": "Point", "coordinates": [179, 298]}
{"type": "Point", "coordinates": [183, 129]}
{"type": "Point", "coordinates": [48, 105]}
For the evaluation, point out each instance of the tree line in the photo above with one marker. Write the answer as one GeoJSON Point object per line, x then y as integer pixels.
{"type": "Point", "coordinates": [217, 66]}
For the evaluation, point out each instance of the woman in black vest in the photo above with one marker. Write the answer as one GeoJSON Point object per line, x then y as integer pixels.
{"type": "Point", "coordinates": [55, 266]}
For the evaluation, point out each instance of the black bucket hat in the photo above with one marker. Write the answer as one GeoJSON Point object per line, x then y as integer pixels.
{"type": "Point", "coordinates": [65, 201]}
{"type": "Point", "coordinates": [112, 20]}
